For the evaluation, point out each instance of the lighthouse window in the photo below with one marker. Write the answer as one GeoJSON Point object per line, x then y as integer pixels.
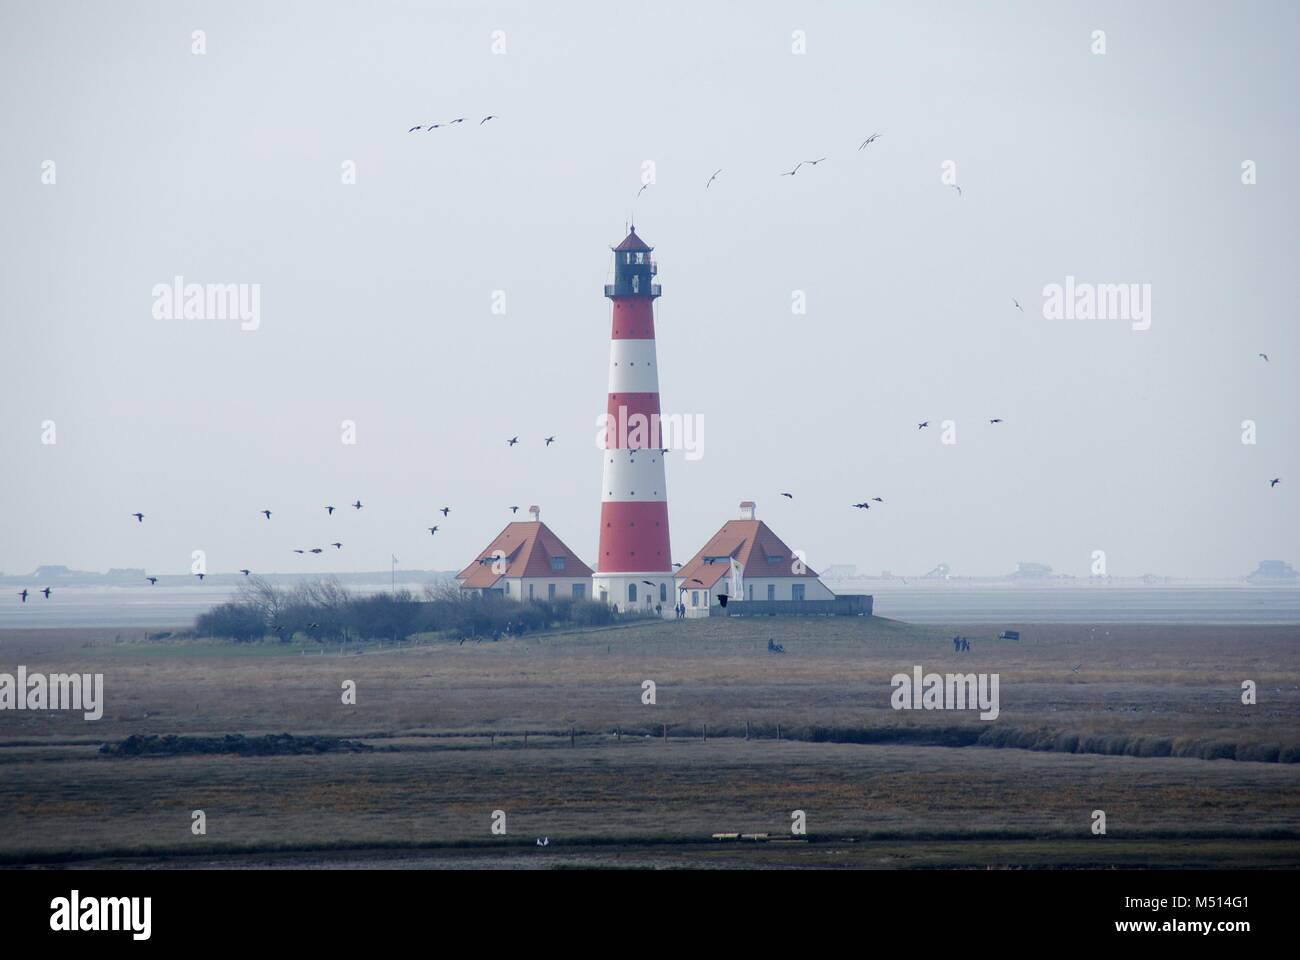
{"type": "Point", "coordinates": [627, 258]}
{"type": "Point", "coordinates": [640, 258]}
{"type": "Point", "coordinates": [636, 283]}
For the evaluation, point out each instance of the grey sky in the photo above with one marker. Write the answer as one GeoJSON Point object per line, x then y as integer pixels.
{"type": "Point", "coordinates": [376, 297]}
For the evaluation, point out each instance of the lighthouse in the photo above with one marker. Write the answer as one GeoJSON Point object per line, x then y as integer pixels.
{"type": "Point", "coordinates": [633, 564]}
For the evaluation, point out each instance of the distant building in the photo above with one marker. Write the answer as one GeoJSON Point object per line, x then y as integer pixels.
{"type": "Point", "coordinates": [1273, 571]}
{"type": "Point", "coordinates": [767, 569]}
{"type": "Point", "coordinates": [941, 572]}
{"type": "Point", "coordinates": [840, 571]}
{"type": "Point", "coordinates": [527, 561]}
{"type": "Point", "coordinates": [1031, 571]}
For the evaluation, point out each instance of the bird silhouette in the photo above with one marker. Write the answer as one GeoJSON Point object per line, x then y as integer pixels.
{"type": "Point", "coordinates": [1075, 668]}
{"type": "Point", "coordinates": [317, 550]}
{"type": "Point", "coordinates": [1274, 482]}
{"type": "Point", "coordinates": [996, 420]}
{"type": "Point", "coordinates": [1017, 303]}
{"type": "Point", "coordinates": [23, 593]}
{"type": "Point", "coordinates": [139, 517]}
{"type": "Point", "coordinates": [514, 509]}
{"type": "Point", "coordinates": [330, 511]}
{"type": "Point", "coordinates": [491, 116]}
{"type": "Point", "coordinates": [152, 580]}
{"type": "Point", "coordinates": [791, 173]}
{"type": "Point", "coordinates": [923, 424]}
{"type": "Point", "coordinates": [412, 130]}
{"type": "Point", "coordinates": [336, 545]}
{"type": "Point", "coordinates": [47, 591]}
{"type": "Point", "coordinates": [648, 583]}
{"type": "Point", "coordinates": [813, 163]}
{"type": "Point", "coordinates": [712, 178]}
{"type": "Point", "coordinates": [512, 441]}
{"type": "Point", "coordinates": [296, 550]}
{"type": "Point", "coordinates": [863, 506]}
{"type": "Point", "coordinates": [789, 496]}
{"type": "Point", "coordinates": [957, 188]}
{"type": "Point", "coordinates": [549, 441]}
{"type": "Point", "coordinates": [200, 575]}
{"type": "Point", "coordinates": [1265, 356]}
{"type": "Point", "coordinates": [446, 510]}
{"type": "Point", "coordinates": [869, 141]}
{"type": "Point", "coordinates": [878, 499]}
{"type": "Point", "coordinates": [356, 505]}
{"type": "Point", "coordinates": [245, 571]}
{"type": "Point", "coordinates": [432, 531]}
{"type": "Point", "coordinates": [643, 189]}
{"type": "Point", "coordinates": [457, 120]}
{"type": "Point", "coordinates": [267, 514]}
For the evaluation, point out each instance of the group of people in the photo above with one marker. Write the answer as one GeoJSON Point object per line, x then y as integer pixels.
{"type": "Point", "coordinates": [959, 644]}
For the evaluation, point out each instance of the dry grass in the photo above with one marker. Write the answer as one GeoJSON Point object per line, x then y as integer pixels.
{"type": "Point", "coordinates": [426, 797]}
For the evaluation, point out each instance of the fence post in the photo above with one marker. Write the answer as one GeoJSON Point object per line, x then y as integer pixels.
{"type": "Point", "coordinates": [746, 729]}
{"type": "Point", "coordinates": [665, 733]}
{"type": "Point", "coordinates": [570, 736]}
{"type": "Point", "coordinates": [493, 744]}
{"type": "Point", "coordinates": [706, 733]}
{"type": "Point", "coordinates": [778, 731]}
{"type": "Point", "coordinates": [618, 734]}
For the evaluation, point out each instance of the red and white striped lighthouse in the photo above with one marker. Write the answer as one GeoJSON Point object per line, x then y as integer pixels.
{"type": "Point", "coordinates": [634, 563]}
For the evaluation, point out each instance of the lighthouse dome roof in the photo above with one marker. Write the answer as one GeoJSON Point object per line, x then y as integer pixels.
{"type": "Point", "coordinates": [632, 242]}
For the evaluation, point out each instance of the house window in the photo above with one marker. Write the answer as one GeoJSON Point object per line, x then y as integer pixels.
{"type": "Point", "coordinates": [579, 591]}
{"type": "Point", "coordinates": [507, 588]}
{"type": "Point", "coordinates": [796, 591]}
{"type": "Point", "coordinates": [557, 563]}
{"type": "Point", "coordinates": [550, 591]}
{"type": "Point", "coordinates": [695, 598]}
{"type": "Point", "coordinates": [663, 593]}
{"type": "Point", "coordinates": [771, 591]}
{"type": "Point", "coordinates": [631, 593]}
{"type": "Point", "coordinates": [530, 591]}
{"type": "Point", "coordinates": [751, 591]}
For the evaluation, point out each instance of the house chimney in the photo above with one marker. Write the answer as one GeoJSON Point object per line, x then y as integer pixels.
{"type": "Point", "coordinates": [536, 513]}
{"type": "Point", "coordinates": [747, 510]}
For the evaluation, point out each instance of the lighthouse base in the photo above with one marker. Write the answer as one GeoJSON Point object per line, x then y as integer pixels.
{"type": "Point", "coordinates": [653, 593]}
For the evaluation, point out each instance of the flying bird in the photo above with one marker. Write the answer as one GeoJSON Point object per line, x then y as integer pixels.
{"type": "Point", "coordinates": [996, 420]}
{"type": "Point", "coordinates": [139, 517]}
{"type": "Point", "coordinates": [869, 141]}
{"type": "Point", "coordinates": [23, 593]}
{"type": "Point", "coordinates": [1017, 303]}
{"type": "Point", "coordinates": [923, 424]}
{"type": "Point", "coordinates": [878, 499]}
{"type": "Point", "coordinates": [152, 580]}
{"type": "Point", "coordinates": [330, 511]}
{"type": "Point", "coordinates": [336, 545]}
{"type": "Point", "coordinates": [200, 575]}
{"type": "Point", "coordinates": [643, 189]}
{"type": "Point", "coordinates": [955, 187]}
{"type": "Point", "coordinates": [1265, 356]}
{"type": "Point", "coordinates": [446, 510]}
{"type": "Point", "coordinates": [1274, 482]}
{"type": "Point", "coordinates": [863, 506]}
{"type": "Point", "coordinates": [47, 591]}
{"type": "Point", "coordinates": [267, 514]}
{"type": "Point", "coordinates": [296, 550]}
{"type": "Point", "coordinates": [245, 572]}
{"type": "Point", "coordinates": [791, 173]}
{"type": "Point", "coordinates": [712, 178]}
{"type": "Point", "coordinates": [514, 509]}
{"type": "Point", "coordinates": [432, 531]}
{"type": "Point", "coordinates": [491, 116]}
{"type": "Point", "coordinates": [788, 495]}
{"type": "Point", "coordinates": [512, 441]}
{"type": "Point", "coordinates": [648, 583]}
{"type": "Point", "coordinates": [357, 505]}
{"type": "Point", "coordinates": [412, 130]}
{"type": "Point", "coordinates": [549, 441]}
{"type": "Point", "coordinates": [457, 120]}
{"type": "Point", "coordinates": [317, 550]}
{"type": "Point", "coordinates": [813, 163]}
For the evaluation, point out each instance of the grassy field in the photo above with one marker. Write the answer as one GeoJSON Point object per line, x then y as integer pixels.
{"type": "Point", "coordinates": [1121, 719]}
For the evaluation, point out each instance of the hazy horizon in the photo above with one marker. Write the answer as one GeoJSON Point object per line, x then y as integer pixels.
{"type": "Point", "coordinates": [376, 297]}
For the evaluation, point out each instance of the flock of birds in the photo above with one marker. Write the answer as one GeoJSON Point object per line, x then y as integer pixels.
{"type": "Point", "coordinates": [329, 510]}
{"type": "Point", "coordinates": [428, 127]}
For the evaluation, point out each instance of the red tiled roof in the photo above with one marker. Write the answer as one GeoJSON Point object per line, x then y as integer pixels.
{"type": "Point", "coordinates": [527, 548]}
{"type": "Point", "coordinates": [632, 242]}
{"type": "Point", "coordinates": [752, 542]}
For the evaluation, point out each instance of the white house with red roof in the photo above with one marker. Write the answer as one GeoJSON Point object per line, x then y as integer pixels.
{"type": "Point", "coordinates": [745, 553]}
{"type": "Point", "coordinates": [527, 561]}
